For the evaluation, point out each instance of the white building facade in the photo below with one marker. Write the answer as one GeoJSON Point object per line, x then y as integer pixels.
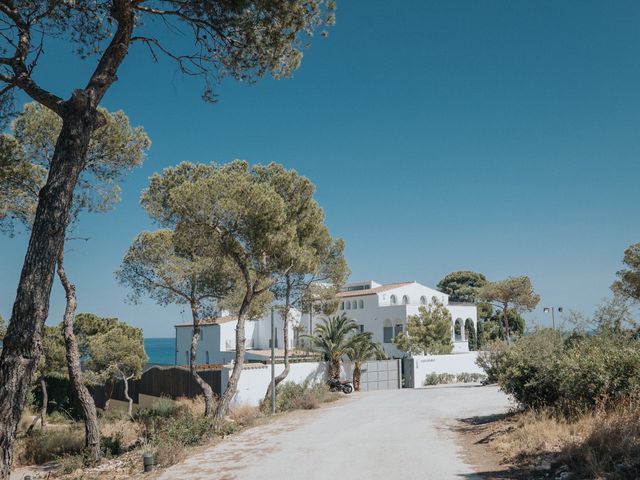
{"type": "Point", "coordinates": [218, 338]}
{"type": "Point", "coordinates": [385, 309]}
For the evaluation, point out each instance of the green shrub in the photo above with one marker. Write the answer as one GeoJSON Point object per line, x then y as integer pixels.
{"type": "Point", "coordinates": [294, 396]}
{"type": "Point", "coordinates": [570, 375]}
{"type": "Point", "coordinates": [113, 444]}
{"type": "Point", "coordinates": [439, 378]}
{"type": "Point", "coordinates": [491, 359]}
{"type": "Point", "coordinates": [443, 378]}
{"type": "Point", "coordinates": [70, 463]}
{"type": "Point", "coordinates": [466, 377]}
{"type": "Point", "coordinates": [164, 407]}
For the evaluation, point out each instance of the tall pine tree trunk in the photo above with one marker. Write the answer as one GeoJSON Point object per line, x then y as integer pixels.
{"type": "Point", "coordinates": [285, 333]}
{"type": "Point", "coordinates": [225, 400]}
{"type": "Point", "coordinates": [195, 339]}
{"type": "Point", "coordinates": [22, 346]}
{"type": "Point", "coordinates": [45, 403]}
{"type": "Point", "coordinates": [78, 389]}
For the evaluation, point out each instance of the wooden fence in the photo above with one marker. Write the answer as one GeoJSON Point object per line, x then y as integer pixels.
{"type": "Point", "coordinates": [173, 382]}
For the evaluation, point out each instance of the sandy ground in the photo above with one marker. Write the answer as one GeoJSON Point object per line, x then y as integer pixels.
{"type": "Point", "coordinates": [399, 434]}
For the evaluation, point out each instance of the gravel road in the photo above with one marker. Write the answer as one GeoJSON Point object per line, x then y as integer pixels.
{"type": "Point", "coordinates": [397, 434]}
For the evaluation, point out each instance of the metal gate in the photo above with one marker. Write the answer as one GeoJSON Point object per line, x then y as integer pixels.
{"type": "Point", "coordinates": [380, 375]}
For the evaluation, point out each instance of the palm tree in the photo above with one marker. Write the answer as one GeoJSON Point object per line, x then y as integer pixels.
{"type": "Point", "coordinates": [333, 337]}
{"type": "Point", "coordinates": [362, 349]}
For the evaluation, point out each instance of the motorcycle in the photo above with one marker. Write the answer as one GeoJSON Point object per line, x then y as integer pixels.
{"type": "Point", "coordinates": [336, 385]}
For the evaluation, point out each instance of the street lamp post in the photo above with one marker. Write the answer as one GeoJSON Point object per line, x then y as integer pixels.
{"type": "Point", "coordinates": [553, 315]}
{"type": "Point", "coordinates": [273, 365]}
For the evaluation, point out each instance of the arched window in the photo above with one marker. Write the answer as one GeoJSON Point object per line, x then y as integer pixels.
{"type": "Point", "coordinates": [393, 300]}
{"type": "Point", "coordinates": [361, 304]}
{"type": "Point", "coordinates": [348, 305]}
{"type": "Point", "coordinates": [207, 355]}
{"type": "Point", "coordinates": [355, 304]}
{"type": "Point", "coordinates": [405, 300]}
{"type": "Point", "coordinates": [341, 305]}
{"type": "Point", "coordinates": [423, 300]}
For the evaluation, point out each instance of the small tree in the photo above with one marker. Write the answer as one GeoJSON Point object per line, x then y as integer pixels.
{"type": "Point", "coordinates": [362, 349]}
{"type": "Point", "coordinates": [314, 257]}
{"type": "Point", "coordinates": [189, 273]}
{"type": "Point", "coordinates": [52, 364]}
{"type": "Point", "coordinates": [26, 153]}
{"type": "Point", "coordinates": [628, 283]}
{"type": "Point", "coordinates": [429, 332]}
{"type": "Point", "coordinates": [242, 40]}
{"type": "Point", "coordinates": [333, 337]}
{"type": "Point", "coordinates": [118, 354]}
{"type": "Point", "coordinates": [514, 293]}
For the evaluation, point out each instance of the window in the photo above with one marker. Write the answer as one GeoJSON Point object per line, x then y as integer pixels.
{"type": "Point", "coordinates": [387, 334]}
{"type": "Point", "coordinates": [348, 305]}
{"type": "Point", "coordinates": [423, 300]}
{"type": "Point", "coordinates": [341, 305]}
{"type": "Point", "coordinates": [405, 300]}
{"type": "Point", "coordinates": [393, 300]}
{"type": "Point", "coordinates": [207, 357]}
{"type": "Point", "coordinates": [398, 330]}
{"type": "Point", "coordinates": [186, 354]}
{"type": "Point", "coordinates": [355, 304]}
{"type": "Point", "coordinates": [361, 303]}
{"type": "Point", "coordinates": [361, 327]}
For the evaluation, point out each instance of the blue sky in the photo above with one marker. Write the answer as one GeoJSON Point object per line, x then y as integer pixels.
{"type": "Point", "coordinates": [496, 136]}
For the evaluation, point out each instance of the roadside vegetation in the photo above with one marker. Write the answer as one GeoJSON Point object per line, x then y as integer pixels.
{"type": "Point", "coordinates": [444, 378]}
{"type": "Point", "coordinates": [579, 395]}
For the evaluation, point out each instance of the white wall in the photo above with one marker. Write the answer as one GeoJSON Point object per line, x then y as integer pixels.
{"type": "Point", "coordinates": [219, 340]}
{"type": "Point", "coordinates": [254, 380]}
{"type": "Point", "coordinates": [454, 364]}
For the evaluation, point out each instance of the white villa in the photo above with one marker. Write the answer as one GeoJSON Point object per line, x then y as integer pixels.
{"type": "Point", "coordinates": [384, 310]}
{"type": "Point", "coordinates": [218, 338]}
{"type": "Point", "coordinates": [380, 309]}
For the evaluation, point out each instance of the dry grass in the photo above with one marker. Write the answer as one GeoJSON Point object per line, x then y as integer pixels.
{"type": "Point", "coordinates": [599, 445]}
{"type": "Point", "coordinates": [612, 447]}
{"type": "Point", "coordinates": [194, 405]}
{"type": "Point", "coordinates": [245, 416]}
{"type": "Point", "coordinates": [45, 445]}
{"type": "Point", "coordinates": [534, 433]}
{"type": "Point", "coordinates": [126, 431]}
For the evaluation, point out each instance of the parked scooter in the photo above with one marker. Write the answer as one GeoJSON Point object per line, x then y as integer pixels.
{"type": "Point", "coordinates": [336, 385]}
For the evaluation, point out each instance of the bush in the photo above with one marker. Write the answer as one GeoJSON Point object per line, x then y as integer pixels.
{"type": "Point", "coordinates": [162, 408]}
{"type": "Point", "coordinates": [70, 463]}
{"type": "Point", "coordinates": [439, 378]}
{"type": "Point", "coordinates": [442, 378]}
{"type": "Point", "coordinates": [245, 416]}
{"type": "Point", "coordinates": [294, 396]}
{"type": "Point", "coordinates": [491, 359]}
{"type": "Point", "coordinates": [571, 375]}
{"type": "Point", "coordinates": [46, 445]}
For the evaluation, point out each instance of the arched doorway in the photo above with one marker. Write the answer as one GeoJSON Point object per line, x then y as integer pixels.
{"type": "Point", "coordinates": [458, 333]}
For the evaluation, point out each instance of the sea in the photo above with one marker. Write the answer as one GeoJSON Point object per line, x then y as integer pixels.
{"type": "Point", "coordinates": [161, 351]}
